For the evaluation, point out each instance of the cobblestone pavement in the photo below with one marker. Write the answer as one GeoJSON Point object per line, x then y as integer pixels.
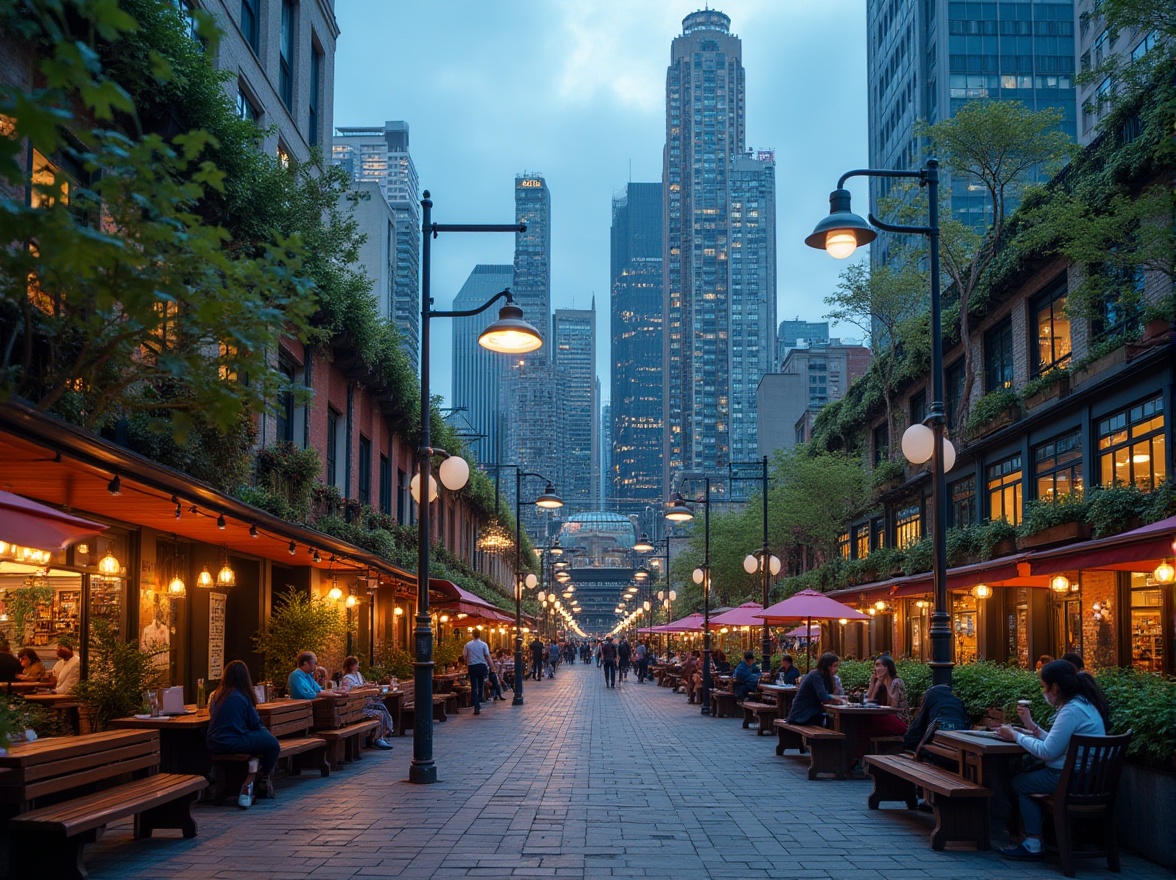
{"type": "Point", "coordinates": [581, 782]}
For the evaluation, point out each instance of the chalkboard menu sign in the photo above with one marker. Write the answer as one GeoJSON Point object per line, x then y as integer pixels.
{"type": "Point", "coordinates": [216, 635]}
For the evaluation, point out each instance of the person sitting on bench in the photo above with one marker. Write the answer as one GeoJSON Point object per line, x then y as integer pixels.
{"type": "Point", "coordinates": [942, 710]}
{"type": "Point", "coordinates": [234, 726]}
{"type": "Point", "coordinates": [374, 708]}
{"type": "Point", "coordinates": [816, 689]}
{"type": "Point", "coordinates": [746, 678]}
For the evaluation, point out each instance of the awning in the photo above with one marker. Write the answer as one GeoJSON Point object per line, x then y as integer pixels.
{"type": "Point", "coordinates": [1141, 549]}
{"type": "Point", "coordinates": [29, 524]}
{"type": "Point", "coordinates": [461, 601]}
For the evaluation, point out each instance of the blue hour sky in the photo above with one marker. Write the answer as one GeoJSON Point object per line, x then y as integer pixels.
{"type": "Point", "coordinates": [575, 90]}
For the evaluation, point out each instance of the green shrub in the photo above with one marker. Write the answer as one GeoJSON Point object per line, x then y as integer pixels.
{"type": "Point", "coordinates": [963, 545]}
{"type": "Point", "coordinates": [991, 406]}
{"type": "Point", "coordinates": [1042, 382]}
{"type": "Point", "coordinates": [1146, 704]}
{"type": "Point", "coordinates": [1116, 509]}
{"type": "Point", "coordinates": [886, 472]}
{"type": "Point", "coordinates": [992, 533]}
{"type": "Point", "coordinates": [118, 675]}
{"type": "Point", "coordinates": [918, 557]}
{"type": "Point", "coordinates": [297, 623]}
{"type": "Point", "coordinates": [1041, 515]}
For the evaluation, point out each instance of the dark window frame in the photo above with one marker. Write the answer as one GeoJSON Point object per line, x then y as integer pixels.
{"type": "Point", "coordinates": [364, 468]}
{"type": "Point", "coordinates": [251, 24]}
{"type": "Point", "coordinates": [998, 356]}
{"type": "Point", "coordinates": [1052, 300]}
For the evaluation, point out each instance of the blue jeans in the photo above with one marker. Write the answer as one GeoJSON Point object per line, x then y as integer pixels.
{"type": "Point", "coordinates": [477, 672]}
{"type": "Point", "coordinates": [1042, 781]}
{"type": "Point", "coordinates": [253, 742]}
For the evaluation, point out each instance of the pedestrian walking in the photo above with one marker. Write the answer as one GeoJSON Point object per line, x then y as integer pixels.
{"type": "Point", "coordinates": [608, 661]}
{"type": "Point", "coordinates": [624, 658]}
{"type": "Point", "coordinates": [477, 659]}
{"type": "Point", "coordinates": [537, 658]}
{"type": "Point", "coordinates": [641, 660]}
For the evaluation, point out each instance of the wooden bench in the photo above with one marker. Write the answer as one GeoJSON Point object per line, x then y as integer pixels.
{"type": "Point", "coordinates": [339, 719]}
{"type": "Point", "coordinates": [49, 841]}
{"type": "Point", "coordinates": [722, 703]}
{"type": "Point", "coordinates": [960, 806]}
{"type": "Point", "coordinates": [763, 713]}
{"type": "Point", "coordinates": [886, 745]}
{"type": "Point", "coordinates": [826, 747]}
{"type": "Point", "coordinates": [408, 707]}
{"type": "Point", "coordinates": [290, 721]}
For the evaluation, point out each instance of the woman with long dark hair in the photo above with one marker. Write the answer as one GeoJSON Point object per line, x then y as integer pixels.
{"type": "Point", "coordinates": [886, 689]}
{"type": "Point", "coordinates": [235, 727]}
{"type": "Point", "coordinates": [1082, 711]}
{"type": "Point", "coordinates": [816, 689]}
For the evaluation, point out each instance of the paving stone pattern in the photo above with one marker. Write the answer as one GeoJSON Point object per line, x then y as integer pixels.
{"type": "Point", "coordinates": [580, 782]}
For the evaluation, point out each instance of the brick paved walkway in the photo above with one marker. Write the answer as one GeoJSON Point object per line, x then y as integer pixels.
{"type": "Point", "coordinates": [581, 782]}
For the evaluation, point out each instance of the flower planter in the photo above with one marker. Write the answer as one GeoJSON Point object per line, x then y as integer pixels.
{"type": "Point", "coordinates": [1144, 810]}
{"type": "Point", "coordinates": [1065, 533]}
{"type": "Point", "coordinates": [1051, 392]}
{"type": "Point", "coordinates": [1100, 366]}
{"type": "Point", "coordinates": [1005, 547]}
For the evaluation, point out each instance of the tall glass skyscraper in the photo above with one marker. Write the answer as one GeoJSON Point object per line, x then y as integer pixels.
{"type": "Point", "coordinates": [532, 260]}
{"type": "Point", "coordinates": [707, 174]}
{"type": "Point", "coordinates": [573, 355]}
{"type": "Point", "coordinates": [927, 59]}
{"type": "Point", "coordinates": [477, 372]}
{"type": "Point", "coordinates": [634, 477]}
{"type": "Point", "coordinates": [381, 155]}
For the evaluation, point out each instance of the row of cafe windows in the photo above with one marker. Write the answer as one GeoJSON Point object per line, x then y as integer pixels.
{"type": "Point", "coordinates": [1111, 618]}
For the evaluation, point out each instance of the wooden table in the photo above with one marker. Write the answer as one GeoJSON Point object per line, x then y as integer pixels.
{"type": "Point", "coordinates": [22, 687]}
{"type": "Point", "coordinates": [181, 741]}
{"type": "Point", "coordinates": [847, 716]}
{"type": "Point", "coordinates": [783, 694]}
{"type": "Point", "coordinates": [65, 705]}
{"type": "Point", "coordinates": [393, 701]}
{"type": "Point", "coordinates": [444, 682]}
{"type": "Point", "coordinates": [988, 760]}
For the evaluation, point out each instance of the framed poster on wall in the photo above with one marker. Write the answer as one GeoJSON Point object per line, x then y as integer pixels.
{"type": "Point", "coordinates": [216, 636]}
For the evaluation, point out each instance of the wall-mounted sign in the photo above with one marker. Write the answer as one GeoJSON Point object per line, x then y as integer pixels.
{"type": "Point", "coordinates": [216, 635]}
{"type": "Point", "coordinates": [531, 183]}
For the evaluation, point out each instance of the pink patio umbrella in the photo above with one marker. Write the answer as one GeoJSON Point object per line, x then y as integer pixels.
{"type": "Point", "coordinates": [807, 605]}
{"type": "Point", "coordinates": [744, 615]}
{"type": "Point", "coordinates": [29, 524]}
{"type": "Point", "coordinates": [801, 632]}
{"type": "Point", "coordinates": [689, 623]}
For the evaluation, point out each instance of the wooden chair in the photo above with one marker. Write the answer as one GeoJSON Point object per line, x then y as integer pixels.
{"type": "Point", "coordinates": [1086, 792]}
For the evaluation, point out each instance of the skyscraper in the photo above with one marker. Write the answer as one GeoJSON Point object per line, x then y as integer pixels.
{"type": "Point", "coordinates": [927, 59]}
{"type": "Point", "coordinates": [708, 175]}
{"type": "Point", "coordinates": [573, 355]}
{"type": "Point", "coordinates": [532, 259]}
{"type": "Point", "coordinates": [477, 372]}
{"type": "Point", "coordinates": [634, 475]}
{"type": "Point", "coordinates": [381, 155]}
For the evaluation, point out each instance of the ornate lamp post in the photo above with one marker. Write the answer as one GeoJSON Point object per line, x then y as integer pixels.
{"type": "Point", "coordinates": [840, 234]}
{"type": "Point", "coordinates": [510, 334]}
{"type": "Point", "coordinates": [679, 511]}
{"type": "Point", "coordinates": [548, 501]}
{"type": "Point", "coordinates": [764, 562]}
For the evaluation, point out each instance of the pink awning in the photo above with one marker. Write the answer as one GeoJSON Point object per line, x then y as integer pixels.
{"type": "Point", "coordinates": [809, 604]}
{"type": "Point", "coordinates": [462, 601]}
{"type": "Point", "coordinates": [744, 615]}
{"type": "Point", "coordinates": [29, 524]}
{"type": "Point", "coordinates": [689, 623]}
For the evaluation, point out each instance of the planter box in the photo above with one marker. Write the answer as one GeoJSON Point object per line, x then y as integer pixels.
{"type": "Point", "coordinates": [1066, 533]}
{"type": "Point", "coordinates": [1096, 368]}
{"type": "Point", "coordinates": [1003, 420]}
{"type": "Point", "coordinates": [1060, 388]}
{"type": "Point", "coordinates": [1155, 333]}
{"type": "Point", "coordinates": [1143, 813]}
{"type": "Point", "coordinates": [1007, 547]}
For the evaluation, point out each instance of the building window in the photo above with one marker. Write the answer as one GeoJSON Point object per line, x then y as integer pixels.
{"type": "Point", "coordinates": [403, 499]}
{"type": "Point", "coordinates": [843, 545]}
{"type": "Point", "coordinates": [1131, 446]}
{"type": "Point", "coordinates": [286, 55]}
{"type": "Point", "coordinates": [1053, 330]}
{"type": "Point", "coordinates": [963, 502]}
{"type": "Point", "coordinates": [251, 24]}
{"type": "Point", "coordinates": [285, 430]}
{"type": "Point", "coordinates": [998, 356]}
{"type": "Point", "coordinates": [1121, 309]}
{"type": "Point", "coordinates": [1147, 630]}
{"type": "Point", "coordinates": [907, 526]}
{"type": "Point", "coordinates": [332, 447]}
{"type": "Point", "coordinates": [881, 445]}
{"type": "Point", "coordinates": [385, 485]}
{"type": "Point", "coordinates": [919, 407]}
{"type": "Point", "coordinates": [1057, 466]}
{"type": "Point", "coordinates": [861, 541]}
{"type": "Point", "coordinates": [365, 470]}
{"type": "Point", "coordinates": [953, 387]}
{"type": "Point", "coordinates": [878, 528]}
{"type": "Point", "coordinates": [1004, 490]}
{"type": "Point", "coordinates": [316, 80]}
{"type": "Point", "coordinates": [245, 108]}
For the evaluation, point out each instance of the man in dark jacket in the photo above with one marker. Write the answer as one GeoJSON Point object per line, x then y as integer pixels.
{"type": "Point", "coordinates": [537, 658]}
{"type": "Point", "coordinates": [940, 705]}
{"type": "Point", "coordinates": [608, 660]}
{"type": "Point", "coordinates": [746, 678]}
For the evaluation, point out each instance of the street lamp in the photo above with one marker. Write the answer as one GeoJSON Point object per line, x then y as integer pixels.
{"type": "Point", "coordinates": [548, 501]}
{"type": "Point", "coordinates": [840, 234]}
{"type": "Point", "coordinates": [510, 334]}
{"type": "Point", "coordinates": [767, 564]}
{"type": "Point", "coordinates": [679, 511]}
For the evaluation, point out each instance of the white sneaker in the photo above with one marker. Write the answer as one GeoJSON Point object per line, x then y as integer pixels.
{"type": "Point", "coordinates": [245, 798]}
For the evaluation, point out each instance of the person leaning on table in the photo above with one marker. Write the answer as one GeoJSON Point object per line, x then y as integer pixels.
{"type": "Point", "coordinates": [301, 684]}
{"type": "Point", "coordinates": [816, 689]}
{"type": "Point", "coordinates": [1081, 711]}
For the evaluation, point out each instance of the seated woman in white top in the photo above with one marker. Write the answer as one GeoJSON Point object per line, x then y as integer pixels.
{"type": "Point", "coordinates": [1082, 711]}
{"type": "Point", "coordinates": [375, 708]}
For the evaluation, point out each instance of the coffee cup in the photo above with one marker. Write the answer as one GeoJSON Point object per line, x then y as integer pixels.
{"type": "Point", "coordinates": [1024, 703]}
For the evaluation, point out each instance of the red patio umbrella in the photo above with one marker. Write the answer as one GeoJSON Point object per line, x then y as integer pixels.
{"type": "Point", "coordinates": [807, 605]}
{"type": "Point", "coordinates": [29, 524]}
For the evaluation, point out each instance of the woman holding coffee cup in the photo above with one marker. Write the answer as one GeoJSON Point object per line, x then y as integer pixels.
{"type": "Point", "coordinates": [1082, 710]}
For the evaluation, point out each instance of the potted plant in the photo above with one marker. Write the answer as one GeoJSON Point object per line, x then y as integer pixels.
{"type": "Point", "coordinates": [1062, 519]}
{"type": "Point", "coordinates": [299, 622]}
{"type": "Point", "coordinates": [118, 674]}
{"type": "Point", "coordinates": [993, 411]}
{"type": "Point", "coordinates": [1046, 387]}
{"type": "Point", "coordinates": [996, 538]}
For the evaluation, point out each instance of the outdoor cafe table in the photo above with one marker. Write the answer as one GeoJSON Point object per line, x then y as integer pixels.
{"type": "Point", "coordinates": [784, 695]}
{"type": "Point", "coordinates": [987, 760]}
{"type": "Point", "coordinates": [65, 705]}
{"type": "Point", "coordinates": [393, 701]}
{"type": "Point", "coordinates": [181, 741]}
{"type": "Point", "coordinates": [444, 682]}
{"type": "Point", "coordinates": [847, 716]}
{"type": "Point", "coordinates": [22, 687]}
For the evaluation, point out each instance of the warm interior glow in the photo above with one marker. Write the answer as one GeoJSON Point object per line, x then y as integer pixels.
{"type": "Point", "coordinates": [1164, 573]}
{"type": "Point", "coordinates": [840, 243]}
{"type": "Point", "coordinates": [1059, 583]}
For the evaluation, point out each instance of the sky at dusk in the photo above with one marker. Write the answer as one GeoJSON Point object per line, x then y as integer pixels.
{"type": "Point", "coordinates": [575, 90]}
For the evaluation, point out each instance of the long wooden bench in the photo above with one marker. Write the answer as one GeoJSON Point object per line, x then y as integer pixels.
{"type": "Point", "coordinates": [290, 721]}
{"type": "Point", "coordinates": [408, 707]}
{"type": "Point", "coordinates": [50, 841]}
{"type": "Point", "coordinates": [762, 713]}
{"type": "Point", "coordinates": [826, 747]}
{"type": "Point", "coordinates": [960, 807]}
{"type": "Point", "coordinates": [339, 719]}
{"type": "Point", "coordinates": [722, 703]}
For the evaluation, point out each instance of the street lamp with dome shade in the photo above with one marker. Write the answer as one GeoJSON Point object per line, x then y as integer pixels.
{"type": "Point", "coordinates": [548, 501]}
{"type": "Point", "coordinates": [643, 545]}
{"type": "Point", "coordinates": [840, 233]}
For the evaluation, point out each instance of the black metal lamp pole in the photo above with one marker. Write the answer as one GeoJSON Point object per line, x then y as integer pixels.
{"type": "Point", "coordinates": [549, 500]}
{"type": "Point", "coordinates": [765, 556]}
{"type": "Point", "coordinates": [840, 233]}
{"type": "Point", "coordinates": [423, 769]}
